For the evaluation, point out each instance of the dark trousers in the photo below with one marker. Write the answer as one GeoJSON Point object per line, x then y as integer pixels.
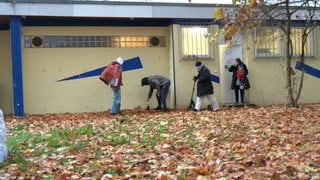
{"type": "Point", "coordinates": [162, 99]}
{"type": "Point", "coordinates": [236, 93]}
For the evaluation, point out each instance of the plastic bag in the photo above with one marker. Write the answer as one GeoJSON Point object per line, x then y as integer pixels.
{"type": "Point", "coordinates": [3, 130]}
{"type": "Point", "coordinates": [3, 134]}
{"type": "Point", "coordinates": [3, 152]}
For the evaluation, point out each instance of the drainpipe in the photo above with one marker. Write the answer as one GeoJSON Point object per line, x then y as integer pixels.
{"type": "Point", "coordinates": [16, 60]}
{"type": "Point", "coordinates": [174, 69]}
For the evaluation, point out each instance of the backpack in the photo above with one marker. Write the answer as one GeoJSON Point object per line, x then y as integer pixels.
{"type": "Point", "coordinates": [240, 73]}
{"type": "Point", "coordinates": [112, 75]}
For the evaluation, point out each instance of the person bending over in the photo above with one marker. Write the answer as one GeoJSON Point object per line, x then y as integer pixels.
{"type": "Point", "coordinates": [161, 84]}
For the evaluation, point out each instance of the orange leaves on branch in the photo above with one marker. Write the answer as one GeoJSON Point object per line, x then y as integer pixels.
{"type": "Point", "coordinates": [240, 19]}
{"type": "Point", "coordinates": [252, 3]}
{"type": "Point", "coordinates": [230, 31]}
{"type": "Point", "coordinates": [218, 13]}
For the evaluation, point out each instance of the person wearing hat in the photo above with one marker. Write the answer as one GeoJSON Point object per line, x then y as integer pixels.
{"type": "Point", "coordinates": [204, 87]}
{"type": "Point", "coordinates": [161, 84]}
{"type": "Point", "coordinates": [112, 75]}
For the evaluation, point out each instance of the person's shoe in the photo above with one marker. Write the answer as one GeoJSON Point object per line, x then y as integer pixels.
{"type": "Point", "coordinates": [194, 109]}
{"type": "Point", "coordinates": [239, 104]}
{"type": "Point", "coordinates": [157, 108]}
{"type": "Point", "coordinates": [113, 113]}
{"type": "Point", "coordinates": [164, 110]}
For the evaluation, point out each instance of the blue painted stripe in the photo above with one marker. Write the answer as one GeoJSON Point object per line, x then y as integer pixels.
{"type": "Point", "coordinates": [215, 78]}
{"type": "Point", "coordinates": [308, 69]}
{"type": "Point", "coordinates": [17, 83]}
{"type": "Point", "coordinates": [128, 65]}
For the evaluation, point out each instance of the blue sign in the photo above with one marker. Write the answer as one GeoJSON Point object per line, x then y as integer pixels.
{"type": "Point", "coordinates": [308, 70]}
{"type": "Point", "coordinates": [215, 78]}
{"type": "Point", "coordinates": [128, 65]}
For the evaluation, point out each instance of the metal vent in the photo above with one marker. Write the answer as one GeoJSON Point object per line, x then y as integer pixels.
{"type": "Point", "coordinates": [37, 41]}
{"type": "Point", "coordinates": [157, 41]}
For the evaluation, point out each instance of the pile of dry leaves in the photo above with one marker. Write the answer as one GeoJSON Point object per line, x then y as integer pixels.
{"type": "Point", "coordinates": [247, 143]}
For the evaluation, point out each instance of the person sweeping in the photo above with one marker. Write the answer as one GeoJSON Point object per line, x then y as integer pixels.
{"type": "Point", "coordinates": [204, 87]}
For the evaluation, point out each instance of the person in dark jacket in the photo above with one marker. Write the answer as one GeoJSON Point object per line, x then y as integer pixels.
{"type": "Point", "coordinates": [161, 84]}
{"type": "Point", "coordinates": [240, 81]}
{"type": "Point", "coordinates": [204, 87]}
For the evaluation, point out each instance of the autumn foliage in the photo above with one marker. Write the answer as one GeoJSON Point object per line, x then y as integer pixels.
{"type": "Point", "coordinates": [272, 142]}
{"type": "Point", "coordinates": [240, 19]}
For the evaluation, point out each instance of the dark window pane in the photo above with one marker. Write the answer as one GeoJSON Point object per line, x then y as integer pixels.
{"type": "Point", "coordinates": [80, 38]}
{"type": "Point", "coordinates": [61, 38]}
{"type": "Point", "coordinates": [60, 44]}
{"type": "Point", "coordinates": [53, 45]}
{"type": "Point", "coordinates": [80, 44]}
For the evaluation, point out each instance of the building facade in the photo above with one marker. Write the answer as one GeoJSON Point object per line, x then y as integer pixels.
{"type": "Point", "coordinates": [45, 42]}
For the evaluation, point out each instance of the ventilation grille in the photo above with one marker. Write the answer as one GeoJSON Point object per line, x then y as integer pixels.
{"type": "Point", "coordinates": [37, 42]}
{"type": "Point", "coordinates": [157, 41]}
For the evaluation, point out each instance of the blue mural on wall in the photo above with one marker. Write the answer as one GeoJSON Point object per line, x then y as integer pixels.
{"type": "Point", "coordinates": [215, 78]}
{"type": "Point", "coordinates": [128, 65]}
{"type": "Point", "coordinates": [308, 70]}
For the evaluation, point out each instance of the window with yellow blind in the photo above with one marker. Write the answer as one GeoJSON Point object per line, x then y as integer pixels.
{"type": "Point", "coordinates": [194, 42]}
{"type": "Point", "coordinates": [268, 43]}
{"type": "Point", "coordinates": [296, 34]}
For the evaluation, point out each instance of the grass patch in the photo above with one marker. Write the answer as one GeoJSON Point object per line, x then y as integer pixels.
{"type": "Point", "coordinates": [124, 119]}
{"type": "Point", "coordinates": [44, 143]}
{"type": "Point", "coordinates": [85, 130]}
{"type": "Point", "coordinates": [117, 139]}
{"type": "Point", "coordinates": [76, 146]}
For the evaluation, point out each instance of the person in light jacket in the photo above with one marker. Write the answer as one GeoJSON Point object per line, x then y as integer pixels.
{"type": "Point", "coordinates": [162, 85]}
{"type": "Point", "coordinates": [204, 87]}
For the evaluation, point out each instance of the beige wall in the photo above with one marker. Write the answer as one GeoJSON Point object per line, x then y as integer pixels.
{"type": "Point", "coordinates": [268, 77]}
{"type": "Point", "coordinates": [185, 70]}
{"type": "Point", "coordinates": [5, 73]}
{"type": "Point", "coordinates": [42, 67]}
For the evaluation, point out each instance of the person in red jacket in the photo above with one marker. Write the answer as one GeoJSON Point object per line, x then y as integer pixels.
{"type": "Point", "coordinates": [112, 75]}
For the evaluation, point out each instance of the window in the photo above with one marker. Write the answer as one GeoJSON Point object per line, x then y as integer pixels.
{"type": "Point", "coordinates": [95, 41]}
{"type": "Point", "coordinates": [195, 44]}
{"type": "Point", "coordinates": [297, 43]}
{"type": "Point", "coordinates": [267, 43]}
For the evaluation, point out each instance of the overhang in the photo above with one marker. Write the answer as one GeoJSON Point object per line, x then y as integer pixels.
{"type": "Point", "coordinates": [107, 9]}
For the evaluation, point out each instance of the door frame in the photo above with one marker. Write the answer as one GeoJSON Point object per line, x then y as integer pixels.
{"type": "Point", "coordinates": [227, 94]}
